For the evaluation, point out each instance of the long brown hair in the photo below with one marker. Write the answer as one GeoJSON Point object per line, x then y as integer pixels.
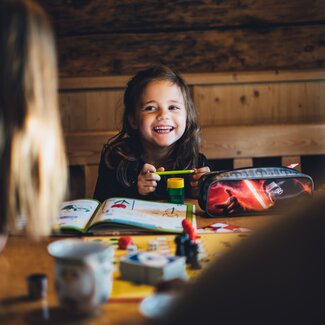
{"type": "Point", "coordinates": [126, 144]}
{"type": "Point", "coordinates": [32, 156]}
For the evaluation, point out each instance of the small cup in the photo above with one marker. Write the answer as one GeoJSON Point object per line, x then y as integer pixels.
{"type": "Point", "coordinates": [83, 274]}
{"type": "Point", "coordinates": [175, 189]}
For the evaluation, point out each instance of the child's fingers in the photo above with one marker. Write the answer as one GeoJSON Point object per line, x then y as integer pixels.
{"type": "Point", "coordinates": [150, 189]}
{"type": "Point", "coordinates": [148, 172]}
{"type": "Point", "coordinates": [198, 172]}
{"type": "Point", "coordinates": [148, 168]}
{"type": "Point", "coordinates": [145, 188]}
{"type": "Point", "coordinates": [202, 170]}
{"type": "Point", "coordinates": [147, 180]}
{"type": "Point", "coordinates": [150, 183]}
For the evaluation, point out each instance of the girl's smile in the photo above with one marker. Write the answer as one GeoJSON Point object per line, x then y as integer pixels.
{"type": "Point", "coordinates": [160, 115]}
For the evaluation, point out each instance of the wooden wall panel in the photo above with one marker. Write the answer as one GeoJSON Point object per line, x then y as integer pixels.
{"type": "Point", "coordinates": [91, 109]}
{"type": "Point", "coordinates": [241, 103]}
{"type": "Point", "coordinates": [194, 51]}
{"type": "Point", "coordinates": [105, 16]}
{"type": "Point", "coordinates": [263, 140]}
{"type": "Point", "coordinates": [264, 103]}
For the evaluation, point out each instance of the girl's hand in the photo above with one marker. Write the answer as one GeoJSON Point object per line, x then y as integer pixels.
{"type": "Point", "coordinates": [198, 172]}
{"type": "Point", "coordinates": [147, 180]}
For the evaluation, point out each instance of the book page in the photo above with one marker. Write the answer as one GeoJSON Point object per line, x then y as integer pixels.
{"type": "Point", "coordinates": [145, 214]}
{"type": "Point", "coordinates": [76, 214]}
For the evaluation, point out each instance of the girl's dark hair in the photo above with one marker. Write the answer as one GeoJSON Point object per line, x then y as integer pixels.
{"type": "Point", "coordinates": [125, 147]}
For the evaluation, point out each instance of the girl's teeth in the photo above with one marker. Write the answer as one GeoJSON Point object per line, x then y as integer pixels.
{"type": "Point", "coordinates": [163, 129]}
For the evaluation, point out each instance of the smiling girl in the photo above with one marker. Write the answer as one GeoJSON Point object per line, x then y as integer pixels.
{"type": "Point", "coordinates": [159, 132]}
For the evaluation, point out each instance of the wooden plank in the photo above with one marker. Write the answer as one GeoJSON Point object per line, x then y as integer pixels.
{"type": "Point", "coordinates": [102, 16]}
{"type": "Point", "coordinates": [259, 103]}
{"type": "Point", "coordinates": [289, 47]}
{"type": "Point", "coordinates": [243, 162]}
{"type": "Point", "coordinates": [248, 77]}
{"type": "Point", "coordinates": [84, 148]}
{"type": "Point", "coordinates": [233, 104]}
{"type": "Point", "coordinates": [263, 141]}
{"type": "Point", "coordinates": [91, 109]}
{"type": "Point", "coordinates": [219, 78]}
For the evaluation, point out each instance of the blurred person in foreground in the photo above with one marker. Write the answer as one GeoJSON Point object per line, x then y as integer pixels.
{"type": "Point", "coordinates": [33, 168]}
{"type": "Point", "coordinates": [276, 276]}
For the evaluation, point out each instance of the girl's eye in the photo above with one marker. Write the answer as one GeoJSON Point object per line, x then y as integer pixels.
{"type": "Point", "coordinates": [149, 108]}
{"type": "Point", "coordinates": [173, 108]}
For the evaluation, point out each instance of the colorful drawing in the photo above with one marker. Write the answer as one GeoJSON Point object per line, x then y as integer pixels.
{"type": "Point", "coordinates": [172, 212]}
{"type": "Point", "coordinates": [74, 208]}
{"type": "Point", "coordinates": [122, 204]}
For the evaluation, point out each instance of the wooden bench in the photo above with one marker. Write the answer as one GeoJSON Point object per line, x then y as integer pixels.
{"type": "Point", "coordinates": [240, 143]}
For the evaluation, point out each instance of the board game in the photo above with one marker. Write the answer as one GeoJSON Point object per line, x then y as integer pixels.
{"type": "Point", "coordinates": [212, 246]}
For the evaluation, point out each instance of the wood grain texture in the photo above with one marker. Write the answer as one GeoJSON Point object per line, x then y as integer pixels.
{"type": "Point", "coordinates": [222, 142]}
{"type": "Point", "coordinates": [283, 97]}
{"type": "Point", "coordinates": [102, 16]}
{"type": "Point", "coordinates": [193, 51]}
{"type": "Point", "coordinates": [260, 103]}
{"type": "Point", "coordinates": [243, 162]}
{"type": "Point", "coordinates": [84, 148]}
{"type": "Point", "coordinates": [263, 141]}
{"type": "Point", "coordinates": [197, 79]}
{"type": "Point", "coordinates": [91, 109]}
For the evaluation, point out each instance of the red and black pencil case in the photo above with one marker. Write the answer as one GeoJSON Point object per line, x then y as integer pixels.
{"type": "Point", "coordinates": [252, 190]}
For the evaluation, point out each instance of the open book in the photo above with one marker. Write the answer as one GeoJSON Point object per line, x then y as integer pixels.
{"type": "Point", "coordinates": [123, 215]}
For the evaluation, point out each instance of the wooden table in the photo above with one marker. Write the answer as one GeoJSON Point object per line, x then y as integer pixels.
{"type": "Point", "coordinates": [22, 257]}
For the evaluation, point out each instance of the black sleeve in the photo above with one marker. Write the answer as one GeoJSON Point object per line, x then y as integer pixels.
{"type": "Point", "coordinates": [202, 161]}
{"type": "Point", "coordinates": [108, 185]}
{"type": "Point", "coordinates": [105, 181]}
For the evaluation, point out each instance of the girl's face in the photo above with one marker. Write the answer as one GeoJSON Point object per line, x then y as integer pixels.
{"type": "Point", "coordinates": [160, 115]}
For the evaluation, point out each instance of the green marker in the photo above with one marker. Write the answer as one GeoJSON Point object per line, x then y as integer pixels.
{"type": "Point", "coordinates": [175, 172]}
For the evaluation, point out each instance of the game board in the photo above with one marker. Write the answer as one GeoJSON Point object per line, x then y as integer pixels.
{"type": "Point", "coordinates": [211, 246]}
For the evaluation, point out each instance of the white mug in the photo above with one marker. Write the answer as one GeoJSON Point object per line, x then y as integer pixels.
{"type": "Point", "coordinates": [83, 273]}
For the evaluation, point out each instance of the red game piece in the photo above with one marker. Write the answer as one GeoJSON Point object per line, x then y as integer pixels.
{"type": "Point", "coordinates": [189, 229]}
{"type": "Point", "coordinates": [124, 242]}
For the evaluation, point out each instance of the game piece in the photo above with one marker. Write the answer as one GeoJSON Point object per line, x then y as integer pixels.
{"type": "Point", "coordinates": [124, 242]}
{"type": "Point", "coordinates": [150, 268]}
{"type": "Point", "coordinates": [37, 285]}
{"type": "Point", "coordinates": [194, 256]}
{"type": "Point", "coordinates": [190, 244]}
{"type": "Point", "coordinates": [189, 229]}
{"type": "Point", "coordinates": [180, 241]}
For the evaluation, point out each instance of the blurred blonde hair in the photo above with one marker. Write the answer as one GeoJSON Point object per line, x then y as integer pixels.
{"type": "Point", "coordinates": [32, 156]}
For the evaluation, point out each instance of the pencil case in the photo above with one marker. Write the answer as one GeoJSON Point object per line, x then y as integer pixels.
{"type": "Point", "coordinates": [252, 190]}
